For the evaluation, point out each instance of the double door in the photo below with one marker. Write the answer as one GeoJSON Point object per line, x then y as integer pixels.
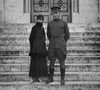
{"type": "Point", "coordinates": [44, 7]}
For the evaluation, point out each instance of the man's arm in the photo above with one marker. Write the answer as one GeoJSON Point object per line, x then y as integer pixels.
{"type": "Point", "coordinates": [48, 32]}
{"type": "Point", "coordinates": [66, 31]}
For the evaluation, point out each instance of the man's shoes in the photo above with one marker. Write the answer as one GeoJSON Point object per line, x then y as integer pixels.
{"type": "Point", "coordinates": [49, 80]}
{"type": "Point", "coordinates": [51, 70]}
{"type": "Point", "coordinates": [62, 76]}
{"type": "Point", "coordinates": [62, 81]}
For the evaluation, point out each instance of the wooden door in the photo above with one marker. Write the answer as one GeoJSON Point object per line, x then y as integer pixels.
{"type": "Point", "coordinates": [43, 7]}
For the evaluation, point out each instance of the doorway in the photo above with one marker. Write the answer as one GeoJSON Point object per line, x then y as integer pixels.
{"type": "Point", "coordinates": [44, 7]}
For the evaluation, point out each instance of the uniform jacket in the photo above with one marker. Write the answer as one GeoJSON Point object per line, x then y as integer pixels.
{"type": "Point", "coordinates": [58, 34]}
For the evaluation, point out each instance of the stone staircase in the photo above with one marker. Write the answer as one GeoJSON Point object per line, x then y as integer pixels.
{"type": "Point", "coordinates": [82, 62]}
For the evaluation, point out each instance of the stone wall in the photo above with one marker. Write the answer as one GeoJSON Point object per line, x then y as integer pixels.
{"type": "Point", "coordinates": [14, 12]}
{"type": "Point", "coordinates": [88, 12]}
{"type": "Point", "coordinates": [11, 11]}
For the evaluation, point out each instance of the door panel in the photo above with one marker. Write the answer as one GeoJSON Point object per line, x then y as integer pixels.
{"type": "Point", "coordinates": [43, 7]}
{"type": "Point", "coordinates": [40, 7]}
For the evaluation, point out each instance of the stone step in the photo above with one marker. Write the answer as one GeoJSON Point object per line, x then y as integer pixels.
{"type": "Point", "coordinates": [15, 37]}
{"type": "Point", "coordinates": [24, 41]}
{"type": "Point", "coordinates": [72, 34]}
{"type": "Point", "coordinates": [25, 46]}
{"type": "Point", "coordinates": [25, 85]}
{"type": "Point", "coordinates": [23, 29]}
{"type": "Point", "coordinates": [27, 27]}
{"type": "Point", "coordinates": [69, 52]}
{"type": "Point", "coordinates": [70, 47]}
{"type": "Point", "coordinates": [54, 83]}
{"type": "Point", "coordinates": [69, 76]}
{"type": "Point", "coordinates": [69, 60]}
{"type": "Point", "coordinates": [69, 67]}
{"type": "Point", "coordinates": [26, 34]}
{"type": "Point", "coordinates": [19, 41]}
{"type": "Point", "coordinates": [15, 30]}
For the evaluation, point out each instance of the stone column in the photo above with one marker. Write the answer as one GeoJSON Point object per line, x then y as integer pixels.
{"type": "Point", "coordinates": [1, 12]}
{"type": "Point", "coordinates": [99, 10]}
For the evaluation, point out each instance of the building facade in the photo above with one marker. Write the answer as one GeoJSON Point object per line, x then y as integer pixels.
{"type": "Point", "coordinates": [83, 48]}
{"type": "Point", "coordinates": [72, 11]}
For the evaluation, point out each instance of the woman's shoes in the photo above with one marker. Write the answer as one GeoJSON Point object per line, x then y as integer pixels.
{"type": "Point", "coordinates": [38, 80]}
{"type": "Point", "coordinates": [35, 80]}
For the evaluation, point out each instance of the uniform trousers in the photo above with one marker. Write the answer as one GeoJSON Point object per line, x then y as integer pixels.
{"type": "Point", "coordinates": [53, 54]}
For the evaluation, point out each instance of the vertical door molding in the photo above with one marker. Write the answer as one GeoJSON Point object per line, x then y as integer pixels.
{"type": "Point", "coordinates": [99, 10]}
{"type": "Point", "coordinates": [76, 6]}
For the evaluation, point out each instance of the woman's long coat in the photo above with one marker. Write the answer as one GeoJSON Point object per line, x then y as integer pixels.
{"type": "Point", "coordinates": [37, 41]}
{"type": "Point", "coordinates": [38, 63]}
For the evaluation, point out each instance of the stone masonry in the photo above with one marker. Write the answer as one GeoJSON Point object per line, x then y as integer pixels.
{"type": "Point", "coordinates": [11, 11]}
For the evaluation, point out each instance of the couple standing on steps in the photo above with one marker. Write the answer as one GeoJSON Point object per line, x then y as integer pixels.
{"type": "Point", "coordinates": [58, 35]}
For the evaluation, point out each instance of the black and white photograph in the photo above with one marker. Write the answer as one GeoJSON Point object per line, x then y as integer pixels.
{"type": "Point", "coordinates": [49, 44]}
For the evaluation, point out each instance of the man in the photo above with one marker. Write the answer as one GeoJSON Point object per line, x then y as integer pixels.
{"type": "Point", "coordinates": [58, 35]}
{"type": "Point", "coordinates": [38, 64]}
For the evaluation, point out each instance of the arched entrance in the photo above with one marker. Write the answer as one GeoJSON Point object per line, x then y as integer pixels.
{"type": "Point", "coordinates": [43, 7]}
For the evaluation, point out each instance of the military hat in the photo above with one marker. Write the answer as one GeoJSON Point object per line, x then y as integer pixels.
{"type": "Point", "coordinates": [55, 9]}
{"type": "Point", "coordinates": [40, 16]}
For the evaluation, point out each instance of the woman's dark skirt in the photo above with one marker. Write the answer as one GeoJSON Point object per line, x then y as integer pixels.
{"type": "Point", "coordinates": [38, 66]}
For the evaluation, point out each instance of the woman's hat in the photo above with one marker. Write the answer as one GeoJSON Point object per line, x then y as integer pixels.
{"type": "Point", "coordinates": [40, 17]}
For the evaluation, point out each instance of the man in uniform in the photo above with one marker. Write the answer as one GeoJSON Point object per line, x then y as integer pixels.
{"type": "Point", "coordinates": [58, 35]}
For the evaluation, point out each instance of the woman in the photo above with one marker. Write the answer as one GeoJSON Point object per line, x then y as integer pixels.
{"type": "Point", "coordinates": [38, 63]}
